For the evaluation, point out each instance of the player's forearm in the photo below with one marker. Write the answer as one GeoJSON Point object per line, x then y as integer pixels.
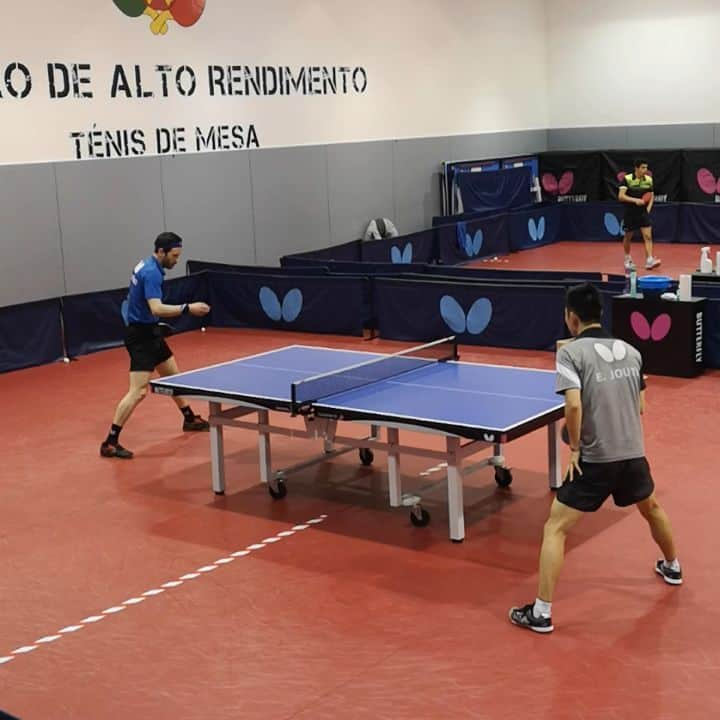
{"type": "Point", "coordinates": [573, 421]}
{"type": "Point", "coordinates": [167, 311]}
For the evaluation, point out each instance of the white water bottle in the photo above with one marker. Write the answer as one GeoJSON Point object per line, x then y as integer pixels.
{"type": "Point", "coordinates": [705, 261]}
{"type": "Point", "coordinates": [717, 263]}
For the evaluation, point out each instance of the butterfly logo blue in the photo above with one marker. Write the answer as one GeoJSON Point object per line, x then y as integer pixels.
{"type": "Point", "coordinates": [612, 224]}
{"type": "Point", "coordinates": [403, 257]}
{"type": "Point", "coordinates": [469, 244]}
{"type": "Point", "coordinates": [476, 320]}
{"type": "Point", "coordinates": [289, 310]}
{"type": "Point", "coordinates": [536, 229]}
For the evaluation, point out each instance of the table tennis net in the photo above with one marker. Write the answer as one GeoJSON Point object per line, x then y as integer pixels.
{"type": "Point", "coordinates": [310, 390]}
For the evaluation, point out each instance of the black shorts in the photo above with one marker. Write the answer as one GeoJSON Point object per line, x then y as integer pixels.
{"type": "Point", "coordinates": [628, 481]}
{"type": "Point", "coordinates": [634, 220]}
{"type": "Point", "coordinates": [147, 347]}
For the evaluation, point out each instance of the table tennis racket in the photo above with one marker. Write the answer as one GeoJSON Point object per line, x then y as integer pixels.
{"type": "Point", "coordinates": [647, 197]}
{"type": "Point", "coordinates": [187, 12]}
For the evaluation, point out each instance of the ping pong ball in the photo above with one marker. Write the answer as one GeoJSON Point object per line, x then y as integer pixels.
{"type": "Point", "coordinates": [66, 359]}
{"type": "Point", "coordinates": [203, 329]}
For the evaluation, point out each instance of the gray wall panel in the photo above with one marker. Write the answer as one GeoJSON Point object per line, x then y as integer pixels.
{"type": "Point", "coordinates": [361, 187]}
{"type": "Point", "coordinates": [290, 191]}
{"type": "Point", "coordinates": [208, 201]}
{"type": "Point", "coordinates": [494, 145]}
{"type": "Point", "coordinates": [30, 254]}
{"type": "Point", "coordinates": [603, 138]}
{"type": "Point", "coordinates": [416, 181]}
{"type": "Point", "coordinates": [670, 136]}
{"type": "Point", "coordinates": [110, 211]}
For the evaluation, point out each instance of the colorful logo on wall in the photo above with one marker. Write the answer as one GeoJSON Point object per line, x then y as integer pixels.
{"type": "Point", "coordinates": [162, 12]}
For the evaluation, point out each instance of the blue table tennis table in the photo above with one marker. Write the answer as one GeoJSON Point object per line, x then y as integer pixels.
{"type": "Point", "coordinates": [426, 389]}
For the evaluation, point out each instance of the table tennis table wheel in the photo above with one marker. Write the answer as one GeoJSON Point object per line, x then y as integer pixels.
{"type": "Point", "coordinates": [277, 489]}
{"type": "Point", "coordinates": [419, 517]}
{"type": "Point", "coordinates": [503, 477]}
{"type": "Point", "coordinates": [366, 456]}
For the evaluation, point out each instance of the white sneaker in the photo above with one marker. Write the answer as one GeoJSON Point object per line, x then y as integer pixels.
{"type": "Point", "coordinates": [652, 263]}
{"type": "Point", "coordinates": [629, 264]}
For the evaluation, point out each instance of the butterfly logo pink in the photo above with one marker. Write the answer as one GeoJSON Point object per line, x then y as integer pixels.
{"type": "Point", "coordinates": [563, 186]}
{"type": "Point", "coordinates": [707, 183]}
{"type": "Point", "coordinates": [645, 331]}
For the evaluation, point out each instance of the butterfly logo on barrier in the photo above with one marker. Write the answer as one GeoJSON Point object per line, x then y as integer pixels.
{"type": "Point", "coordinates": [473, 244]}
{"type": "Point", "coordinates": [618, 351]}
{"type": "Point", "coordinates": [401, 257]}
{"type": "Point", "coordinates": [555, 186]}
{"type": "Point", "coordinates": [289, 309]}
{"type": "Point", "coordinates": [476, 320]}
{"type": "Point", "coordinates": [707, 183]}
{"type": "Point", "coordinates": [184, 12]}
{"type": "Point", "coordinates": [536, 229]}
{"type": "Point", "coordinates": [656, 331]}
{"type": "Point", "coordinates": [612, 224]}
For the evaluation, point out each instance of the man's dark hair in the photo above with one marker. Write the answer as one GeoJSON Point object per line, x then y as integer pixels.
{"type": "Point", "coordinates": [585, 301]}
{"type": "Point", "coordinates": [639, 161]}
{"type": "Point", "coordinates": [167, 241]}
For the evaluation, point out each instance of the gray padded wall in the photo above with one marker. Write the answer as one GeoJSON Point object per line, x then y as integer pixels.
{"type": "Point", "coordinates": [416, 166]}
{"type": "Point", "coordinates": [635, 138]}
{"type": "Point", "coordinates": [208, 201]}
{"type": "Point", "coordinates": [110, 213]}
{"type": "Point", "coordinates": [360, 186]}
{"type": "Point", "coordinates": [30, 253]}
{"type": "Point", "coordinates": [290, 193]}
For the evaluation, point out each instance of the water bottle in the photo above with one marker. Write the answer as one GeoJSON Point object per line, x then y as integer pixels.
{"type": "Point", "coordinates": [626, 289]}
{"type": "Point", "coordinates": [633, 283]}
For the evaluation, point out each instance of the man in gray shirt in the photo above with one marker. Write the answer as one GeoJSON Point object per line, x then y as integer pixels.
{"type": "Point", "coordinates": [601, 378]}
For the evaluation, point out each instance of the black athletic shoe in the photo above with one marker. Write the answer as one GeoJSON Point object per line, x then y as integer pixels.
{"type": "Point", "coordinates": [524, 617]}
{"type": "Point", "coordinates": [670, 576]}
{"type": "Point", "coordinates": [197, 424]}
{"type": "Point", "coordinates": [116, 451]}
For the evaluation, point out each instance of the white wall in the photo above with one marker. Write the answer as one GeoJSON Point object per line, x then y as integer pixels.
{"type": "Point", "coordinates": [610, 63]}
{"type": "Point", "coordinates": [434, 68]}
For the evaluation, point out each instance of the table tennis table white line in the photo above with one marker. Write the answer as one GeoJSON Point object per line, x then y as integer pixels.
{"type": "Point", "coordinates": [394, 416]}
{"type": "Point", "coordinates": [324, 348]}
{"type": "Point", "coordinates": [446, 388]}
{"type": "Point", "coordinates": [169, 381]}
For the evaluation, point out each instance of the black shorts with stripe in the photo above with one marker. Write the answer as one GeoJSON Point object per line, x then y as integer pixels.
{"type": "Point", "coordinates": [146, 346]}
{"type": "Point", "coordinates": [628, 481]}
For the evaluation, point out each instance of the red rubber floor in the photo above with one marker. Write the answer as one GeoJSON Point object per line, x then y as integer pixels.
{"type": "Point", "coordinates": [357, 616]}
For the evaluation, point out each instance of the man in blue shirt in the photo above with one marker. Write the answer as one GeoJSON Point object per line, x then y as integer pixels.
{"type": "Point", "coordinates": [145, 341]}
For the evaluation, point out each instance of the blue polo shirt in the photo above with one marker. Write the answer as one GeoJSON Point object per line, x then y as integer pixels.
{"type": "Point", "coordinates": [145, 284]}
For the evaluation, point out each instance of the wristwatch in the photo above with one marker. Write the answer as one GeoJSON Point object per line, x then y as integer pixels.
{"type": "Point", "coordinates": [185, 309]}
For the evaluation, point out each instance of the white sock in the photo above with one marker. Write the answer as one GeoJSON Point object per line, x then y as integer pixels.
{"type": "Point", "coordinates": [673, 565]}
{"type": "Point", "coordinates": [542, 608]}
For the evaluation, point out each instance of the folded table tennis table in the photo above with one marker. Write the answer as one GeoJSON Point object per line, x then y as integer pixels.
{"type": "Point", "coordinates": [424, 389]}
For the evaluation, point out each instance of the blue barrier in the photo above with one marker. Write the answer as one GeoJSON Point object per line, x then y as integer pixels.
{"type": "Point", "coordinates": [315, 304]}
{"type": "Point", "coordinates": [528, 317]}
{"type": "Point", "coordinates": [30, 334]}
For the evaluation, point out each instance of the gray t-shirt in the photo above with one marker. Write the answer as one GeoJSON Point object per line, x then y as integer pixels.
{"type": "Point", "coordinates": [608, 373]}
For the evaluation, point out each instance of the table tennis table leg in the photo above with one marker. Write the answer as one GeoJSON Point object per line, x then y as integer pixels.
{"type": "Point", "coordinates": [394, 483]}
{"type": "Point", "coordinates": [264, 447]}
{"type": "Point", "coordinates": [217, 451]}
{"type": "Point", "coordinates": [554, 471]}
{"type": "Point", "coordinates": [455, 491]}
